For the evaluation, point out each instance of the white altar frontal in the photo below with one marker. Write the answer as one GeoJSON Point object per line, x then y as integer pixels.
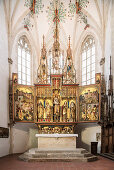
{"type": "Point", "coordinates": [56, 141]}
{"type": "Point", "coordinates": [57, 148]}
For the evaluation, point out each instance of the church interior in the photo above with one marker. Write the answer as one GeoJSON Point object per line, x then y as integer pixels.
{"type": "Point", "coordinates": [56, 82]}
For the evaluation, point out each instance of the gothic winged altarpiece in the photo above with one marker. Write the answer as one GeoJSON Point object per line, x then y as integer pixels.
{"type": "Point", "coordinates": [55, 103]}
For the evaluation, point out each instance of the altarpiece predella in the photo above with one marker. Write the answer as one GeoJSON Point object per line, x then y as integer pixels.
{"type": "Point", "coordinates": [55, 103]}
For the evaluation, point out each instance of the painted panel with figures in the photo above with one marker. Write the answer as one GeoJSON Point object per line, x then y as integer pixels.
{"type": "Point", "coordinates": [89, 103]}
{"type": "Point", "coordinates": [23, 97]}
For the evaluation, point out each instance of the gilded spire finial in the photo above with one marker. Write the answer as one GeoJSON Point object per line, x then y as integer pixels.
{"type": "Point", "coordinates": [69, 41]}
{"type": "Point", "coordinates": [56, 20]}
{"type": "Point", "coordinates": [43, 41]}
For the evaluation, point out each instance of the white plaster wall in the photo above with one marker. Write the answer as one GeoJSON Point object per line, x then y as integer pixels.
{"type": "Point", "coordinates": [20, 140]}
{"type": "Point", "coordinates": [108, 52]}
{"type": "Point", "coordinates": [33, 141]}
{"type": "Point", "coordinates": [112, 40]}
{"type": "Point", "coordinates": [23, 137]}
{"type": "Point", "coordinates": [4, 146]}
{"type": "Point", "coordinates": [87, 134]}
{"type": "Point", "coordinates": [4, 75]}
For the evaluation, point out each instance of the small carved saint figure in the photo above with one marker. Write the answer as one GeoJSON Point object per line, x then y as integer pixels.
{"type": "Point", "coordinates": [48, 110]}
{"type": "Point", "coordinates": [43, 69]}
{"type": "Point", "coordinates": [72, 112]}
{"type": "Point", "coordinates": [40, 110]}
{"type": "Point", "coordinates": [56, 109]}
{"type": "Point", "coordinates": [65, 111]}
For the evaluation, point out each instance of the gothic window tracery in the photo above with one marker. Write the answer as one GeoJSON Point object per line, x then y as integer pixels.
{"type": "Point", "coordinates": [88, 61]}
{"type": "Point", "coordinates": [24, 62]}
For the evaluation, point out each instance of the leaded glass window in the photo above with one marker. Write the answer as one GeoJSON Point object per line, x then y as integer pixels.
{"type": "Point", "coordinates": [88, 61]}
{"type": "Point", "coordinates": [24, 62]}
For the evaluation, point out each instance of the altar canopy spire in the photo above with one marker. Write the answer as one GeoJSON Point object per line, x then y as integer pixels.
{"type": "Point", "coordinates": [43, 67]}
{"type": "Point", "coordinates": [56, 21]}
{"type": "Point", "coordinates": [69, 72]}
{"type": "Point", "coordinates": [56, 59]}
{"type": "Point", "coordinates": [69, 41]}
{"type": "Point", "coordinates": [56, 52]}
{"type": "Point", "coordinates": [34, 1]}
{"type": "Point", "coordinates": [69, 51]}
{"type": "Point", "coordinates": [43, 41]}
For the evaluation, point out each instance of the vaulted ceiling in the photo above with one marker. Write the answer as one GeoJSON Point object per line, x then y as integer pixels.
{"type": "Point", "coordinates": [96, 11]}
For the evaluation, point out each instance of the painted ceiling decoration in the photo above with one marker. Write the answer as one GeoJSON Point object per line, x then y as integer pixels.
{"type": "Point", "coordinates": [35, 7]}
{"type": "Point", "coordinates": [56, 12]}
{"type": "Point", "coordinates": [76, 7]}
{"type": "Point", "coordinates": [55, 9]}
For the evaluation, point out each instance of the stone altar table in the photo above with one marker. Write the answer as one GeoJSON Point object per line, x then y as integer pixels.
{"type": "Point", "coordinates": [56, 141]}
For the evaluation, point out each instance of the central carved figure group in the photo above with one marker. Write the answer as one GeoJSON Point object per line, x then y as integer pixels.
{"type": "Point", "coordinates": [57, 112]}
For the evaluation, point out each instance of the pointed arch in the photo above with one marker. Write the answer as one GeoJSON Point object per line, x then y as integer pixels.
{"type": "Point", "coordinates": [88, 60]}
{"type": "Point", "coordinates": [24, 61]}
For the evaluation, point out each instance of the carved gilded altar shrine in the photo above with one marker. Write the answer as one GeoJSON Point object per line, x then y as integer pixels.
{"type": "Point", "coordinates": [56, 103]}
{"type": "Point", "coordinates": [56, 107]}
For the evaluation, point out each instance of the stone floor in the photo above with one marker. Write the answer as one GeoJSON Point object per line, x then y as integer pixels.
{"type": "Point", "coordinates": [12, 162]}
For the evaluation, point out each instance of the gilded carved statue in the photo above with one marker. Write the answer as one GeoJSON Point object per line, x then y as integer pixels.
{"type": "Point", "coordinates": [56, 108]}
{"type": "Point", "coordinates": [72, 112]}
{"type": "Point", "coordinates": [47, 110]}
{"type": "Point", "coordinates": [40, 110]}
{"type": "Point", "coordinates": [64, 108]}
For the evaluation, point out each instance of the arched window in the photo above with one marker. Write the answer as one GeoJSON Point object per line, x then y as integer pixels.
{"type": "Point", "coordinates": [88, 61]}
{"type": "Point", "coordinates": [24, 61]}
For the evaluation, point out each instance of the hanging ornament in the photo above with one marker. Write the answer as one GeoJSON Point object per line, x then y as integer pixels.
{"type": "Point", "coordinates": [76, 8]}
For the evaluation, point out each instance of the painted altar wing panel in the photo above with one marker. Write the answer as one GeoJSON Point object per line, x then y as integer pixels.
{"type": "Point", "coordinates": [23, 103]}
{"type": "Point", "coordinates": [89, 103]}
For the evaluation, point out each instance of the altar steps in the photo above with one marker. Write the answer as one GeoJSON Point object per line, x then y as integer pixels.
{"type": "Point", "coordinates": [60, 155]}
